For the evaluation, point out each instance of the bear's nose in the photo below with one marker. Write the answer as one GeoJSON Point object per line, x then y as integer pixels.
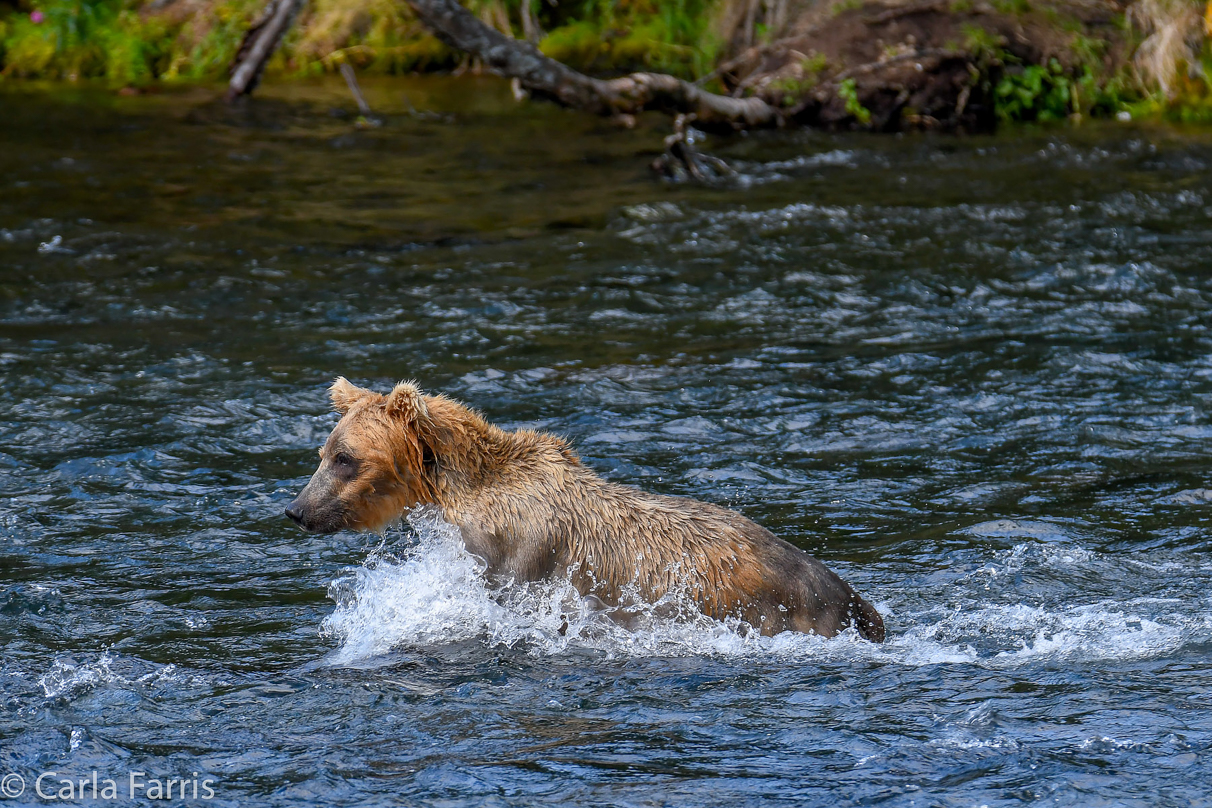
{"type": "Point", "coordinates": [295, 513]}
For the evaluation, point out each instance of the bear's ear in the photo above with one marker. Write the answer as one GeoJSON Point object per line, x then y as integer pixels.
{"type": "Point", "coordinates": [406, 403]}
{"type": "Point", "coordinates": [345, 395]}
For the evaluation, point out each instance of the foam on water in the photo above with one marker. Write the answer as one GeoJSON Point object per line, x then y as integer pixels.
{"type": "Point", "coordinates": [433, 592]}
{"type": "Point", "coordinates": [69, 680]}
{"type": "Point", "coordinates": [1004, 636]}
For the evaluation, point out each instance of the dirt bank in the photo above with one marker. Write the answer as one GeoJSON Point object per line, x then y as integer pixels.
{"type": "Point", "coordinates": [893, 64]}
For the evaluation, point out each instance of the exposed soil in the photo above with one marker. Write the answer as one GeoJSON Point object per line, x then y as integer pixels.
{"type": "Point", "coordinates": [931, 64]}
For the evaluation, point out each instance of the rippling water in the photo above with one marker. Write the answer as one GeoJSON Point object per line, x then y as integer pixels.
{"type": "Point", "coordinates": [972, 375]}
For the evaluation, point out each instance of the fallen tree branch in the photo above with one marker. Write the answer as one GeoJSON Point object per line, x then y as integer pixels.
{"type": "Point", "coordinates": [347, 72]}
{"type": "Point", "coordinates": [367, 119]}
{"type": "Point", "coordinates": [627, 95]}
{"type": "Point", "coordinates": [259, 44]}
{"type": "Point", "coordinates": [539, 74]}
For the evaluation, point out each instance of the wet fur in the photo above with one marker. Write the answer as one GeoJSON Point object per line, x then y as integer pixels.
{"type": "Point", "coordinates": [526, 505]}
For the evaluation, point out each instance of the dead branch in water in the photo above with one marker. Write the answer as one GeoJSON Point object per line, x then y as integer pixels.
{"type": "Point", "coordinates": [627, 95]}
{"type": "Point", "coordinates": [367, 119]}
{"type": "Point", "coordinates": [347, 72]}
{"type": "Point", "coordinates": [682, 161]}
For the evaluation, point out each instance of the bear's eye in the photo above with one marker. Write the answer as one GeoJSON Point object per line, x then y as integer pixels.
{"type": "Point", "coordinates": [343, 459]}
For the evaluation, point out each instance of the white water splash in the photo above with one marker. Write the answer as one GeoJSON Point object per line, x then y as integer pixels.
{"type": "Point", "coordinates": [434, 593]}
{"type": "Point", "coordinates": [1014, 635]}
{"type": "Point", "coordinates": [68, 680]}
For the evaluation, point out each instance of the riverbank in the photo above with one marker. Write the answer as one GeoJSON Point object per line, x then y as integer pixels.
{"type": "Point", "coordinates": [880, 64]}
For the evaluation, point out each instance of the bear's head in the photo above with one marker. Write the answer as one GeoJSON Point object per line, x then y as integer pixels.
{"type": "Point", "coordinates": [376, 464]}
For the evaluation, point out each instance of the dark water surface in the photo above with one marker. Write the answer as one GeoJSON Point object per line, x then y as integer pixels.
{"type": "Point", "coordinates": [972, 375]}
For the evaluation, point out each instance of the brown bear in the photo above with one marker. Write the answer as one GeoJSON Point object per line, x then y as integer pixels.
{"type": "Point", "coordinates": [529, 509]}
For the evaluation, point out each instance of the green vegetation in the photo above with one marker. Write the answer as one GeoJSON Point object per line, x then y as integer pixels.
{"type": "Point", "coordinates": [77, 39]}
{"type": "Point", "coordinates": [81, 39]}
{"type": "Point", "coordinates": [848, 92]}
{"type": "Point", "coordinates": [136, 41]}
{"type": "Point", "coordinates": [985, 46]}
{"type": "Point", "coordinates": [804, 78]}
{"type": "Point", "coordinates": [1163, 69]}
{"type": "Point", "coordinates": [1140, 67]}
{"type": "Point", "coordinates": [1035, 93]}
{"type": "Point", "coordinates": [1053, 91]}
{"type": "Point", "coordinates": [669, 36]}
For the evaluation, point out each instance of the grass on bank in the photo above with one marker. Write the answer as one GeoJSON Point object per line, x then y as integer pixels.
{"type": "Point", "coordinates": [137, 41]}
{"type": "Point", "coordinates": [134, 42]}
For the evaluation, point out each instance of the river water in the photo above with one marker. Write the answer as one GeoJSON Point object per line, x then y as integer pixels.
{"type": "Point", "coordinates": [972, 375]}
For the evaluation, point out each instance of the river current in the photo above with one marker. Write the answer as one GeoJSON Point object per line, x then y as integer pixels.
{"type": "Point", "coordinates": [972, 375]}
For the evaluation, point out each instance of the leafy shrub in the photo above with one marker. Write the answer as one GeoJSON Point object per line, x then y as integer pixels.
{"type": "Point", "coordinates": [1034, 93]}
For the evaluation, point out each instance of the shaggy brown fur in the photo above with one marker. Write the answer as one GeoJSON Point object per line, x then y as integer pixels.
{"type": "Point", "coordinates": [530, 510]}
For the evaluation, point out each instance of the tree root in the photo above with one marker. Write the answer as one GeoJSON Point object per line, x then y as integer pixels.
{"type": "Point", "coordinates": [682, 161]}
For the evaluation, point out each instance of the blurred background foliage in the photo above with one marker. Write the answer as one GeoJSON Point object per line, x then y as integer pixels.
{"type": "Point", "coordinates": [137, 42]}
{"type": "Point", "coordinates": [131, 41]}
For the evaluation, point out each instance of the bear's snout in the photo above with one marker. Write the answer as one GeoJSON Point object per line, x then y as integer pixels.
{"type": "Point", "coordinates": [323, 516]}
{"type": "Point", "coordinates": [294, 512]}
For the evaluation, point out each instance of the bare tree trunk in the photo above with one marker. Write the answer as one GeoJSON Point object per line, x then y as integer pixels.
{"type": "Point", "coordinates": [628, 95]}
{"type": "Point", "coordinates": [259, 44]}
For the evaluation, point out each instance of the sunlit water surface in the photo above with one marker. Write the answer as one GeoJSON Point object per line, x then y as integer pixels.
{"type": "Point", "coordinates": [971, 375]}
